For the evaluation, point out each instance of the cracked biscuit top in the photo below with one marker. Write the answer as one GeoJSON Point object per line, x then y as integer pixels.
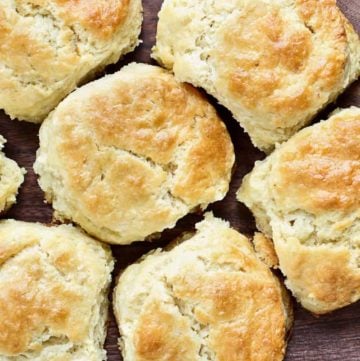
{"type": "Point", "coordinates": [273, 63]}
{"type": "Point", "coordinates": [47, 47]}
{"type": "Point", "coordinates": [128, 155]}
{"type": "Point", "coordinates": [53, 293]}
{"type": "Point", "coordinates": [319, 170]}
{"type": "Point", "coordinates": [209, 298]}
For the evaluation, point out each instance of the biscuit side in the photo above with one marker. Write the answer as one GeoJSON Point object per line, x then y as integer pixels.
{"type": "Point", "coordinates": [12, 176]}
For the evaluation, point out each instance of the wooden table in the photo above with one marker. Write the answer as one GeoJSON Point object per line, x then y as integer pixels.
{"type": "Point", "coordinates": [329, 338]}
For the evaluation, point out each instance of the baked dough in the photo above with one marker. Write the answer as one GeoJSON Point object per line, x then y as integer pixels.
{"type": "Point", "coordinates": [48, 47]}
{"type": "Point", "coordinates": [11, 178]}
{"type": "Point", "coordinates": [208, 298]}
{"type": "Point", "coordinates": [53, 293]}
{"type": "Point", "coordinates": [306, 196]}
{"type": "Point", "coordinates": [128, 155]}
{"type": "Point", "coordinates": [273, 63]}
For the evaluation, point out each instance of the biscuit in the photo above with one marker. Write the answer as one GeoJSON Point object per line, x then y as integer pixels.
{"type": "Point", "coordinates": [11, 178]}
{"type": "Point", "coordinates": [53, 293]}
{"type": "Point", "coordinates": [128, 155]}
{"type": "Point", "coordinates": [273, 63]}
{"type": "Point", "coordinates": [207, 298]}
{"type": "Point", "coordinates": [306, 196]}
{"type": "Point", "coordinates": [49, 47]}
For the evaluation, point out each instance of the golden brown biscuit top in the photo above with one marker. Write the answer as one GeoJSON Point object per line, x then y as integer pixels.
{"type": "Point", "coordinates": [102, 18]}
{"type": "Point", "coordinates": [26, 49]}
{"type": "Point", "coordinates": [282, 61]}
{"type": "Point", "coordinates": [209, 296]}
{"type": "Point", "coordinates": [139, 145]}
{"type": "Point", "coordinates": [319, 169]}
{"type": "Point", "coordinates": [49, 279]}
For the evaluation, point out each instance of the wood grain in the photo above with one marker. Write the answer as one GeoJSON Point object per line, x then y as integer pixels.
{"type": "Point", "coordinates": [329, 338]}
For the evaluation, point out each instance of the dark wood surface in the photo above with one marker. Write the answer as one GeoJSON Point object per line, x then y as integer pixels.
{"type": "Point", "coordinates": [328, 338]}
